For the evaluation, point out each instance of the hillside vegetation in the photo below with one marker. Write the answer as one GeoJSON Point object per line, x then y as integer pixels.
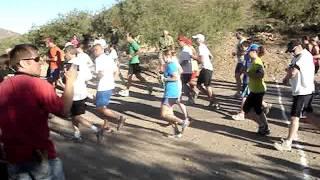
{"type": "Point", "coordinates": [147, 18]}
{"type": "Point", "coordinates": [294, 14]}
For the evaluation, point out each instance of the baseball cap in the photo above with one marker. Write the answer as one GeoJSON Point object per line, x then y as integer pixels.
{"type": "Point", "coordinates": [292, 44]}
{"type": "Point", "coordinates": [253, 47]}
{"type": "Point", "coordinates": [199, 36]}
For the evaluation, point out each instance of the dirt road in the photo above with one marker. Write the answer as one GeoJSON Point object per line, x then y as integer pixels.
{"type": "Point", "coordinates": [213, 147]}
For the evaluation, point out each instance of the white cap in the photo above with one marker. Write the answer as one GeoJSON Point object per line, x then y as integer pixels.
{"type": "Point", "coordinates": [199, 37]}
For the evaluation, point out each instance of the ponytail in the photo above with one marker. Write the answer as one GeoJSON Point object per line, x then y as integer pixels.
{"type": "Point", "coordinates": [261, 51]}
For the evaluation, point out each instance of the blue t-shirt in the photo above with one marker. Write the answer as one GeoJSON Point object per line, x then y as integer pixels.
{"type": "Point", "coordinates": [171, 89]}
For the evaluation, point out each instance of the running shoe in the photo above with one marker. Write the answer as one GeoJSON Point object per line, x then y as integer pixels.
{"type": "Point", "coordinates": [263, 131]}
{"type": "Point", "coordinates": [214, 105]}
{"type": "Point", "coordinates": [285, 145]}
{"type": "Point", "coordinates": [185, 124]}
{"type": "Point", "coordinates": [175, 129]}
{"type": "Point", "coordinates": [266, 110]}
{"type": "Point", "coordinates": [238, 117]}
{"type": "Point", "coordinates": [124, 93]}
{"type": "Point", "coordinates": [77, 139]}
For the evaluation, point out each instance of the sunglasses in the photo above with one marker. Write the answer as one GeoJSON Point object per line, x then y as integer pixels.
{"type": "Point", "coordinates": [36, 59]}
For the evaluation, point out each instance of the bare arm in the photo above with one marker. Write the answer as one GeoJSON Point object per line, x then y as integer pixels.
{"type": "Point", "coordinates": [174, 77]}
{"type": "Point", "coordinates": [67, 95]}
{"type": "Point", "coordinates": [291, 72]}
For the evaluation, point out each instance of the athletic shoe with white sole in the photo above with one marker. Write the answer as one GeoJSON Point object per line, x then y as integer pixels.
{"type": "Point", "coordinates": [285, 145]}
{"type": "Point", "coordinates": [124, 93]}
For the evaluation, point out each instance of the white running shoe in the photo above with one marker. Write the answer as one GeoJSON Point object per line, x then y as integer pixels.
{"type": "Point", "coordinates": [238, 117]}
{"type": "Point", "coordinates": [124, 93]}
{"type": "Point", "coordinates": [283, 146]}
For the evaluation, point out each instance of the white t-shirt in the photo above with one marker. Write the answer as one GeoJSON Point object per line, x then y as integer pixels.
{"type": "Point", "coordinates": [303, 82]}
{"type": "Point", "coordinates": [80, 91]}
{"type": "Point", "coordinates": [86, 58]}
{"type": "Point", "coordinates": [185, 59]}
{"type": "Point", "coordinates": [107, 66]}
{"type": "Point", "coordinates": [113, 54]}
{"type": "Point", "coordinates": [205, 53]}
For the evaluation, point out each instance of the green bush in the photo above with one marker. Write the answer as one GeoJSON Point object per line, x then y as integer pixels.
{"type": "Point", "coordinates": [291, 11]}
{"type": "Point", "coordinates": [147, 18]}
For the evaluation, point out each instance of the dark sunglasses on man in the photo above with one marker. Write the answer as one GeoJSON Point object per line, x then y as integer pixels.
{"type": "Point", "coordinates": [36, 59]}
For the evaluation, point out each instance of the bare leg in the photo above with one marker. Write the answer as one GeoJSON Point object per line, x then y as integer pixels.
{"type": "Point", "coordinates": [168, 115]}
{"type": "Point", "coordinates": [293, 130]}
{"type": "Point", "coordinates": [108, 113]}
{"type": "Point", "coordinates": [142, 79]}
{"type": "Point", "coordinates": [129, 81]}
{"type": "Point", "coordinates": [79, 119]}
{"type": "Point", "coordinates": [183, 108]}
{"type": "Point", "coordinates": [238, 82]}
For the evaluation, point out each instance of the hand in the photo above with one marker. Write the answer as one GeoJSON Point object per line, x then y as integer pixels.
{"type": "Point", "coordinates": [71, 74]}
{"type": "Point", "coordinates": [285, 81]}
{"type": "Point", "coordinates": [162, 78]}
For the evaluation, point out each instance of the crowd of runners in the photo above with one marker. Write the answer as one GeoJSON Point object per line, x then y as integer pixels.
{"type": "Point", "coordinates": [29, 100]}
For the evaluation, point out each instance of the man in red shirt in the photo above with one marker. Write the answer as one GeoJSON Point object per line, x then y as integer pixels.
{"type": "Point", "coordinates": [25, 103]}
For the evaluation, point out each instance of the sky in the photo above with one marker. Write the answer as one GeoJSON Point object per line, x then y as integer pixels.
{"type": "Point", "coordinates": [20, 15]}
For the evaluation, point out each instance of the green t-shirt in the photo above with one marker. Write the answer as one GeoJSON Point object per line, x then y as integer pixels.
{"type": "Point", "coordinates": [133, 48]}
{"type": "Point", "coordinates": [256, 85]}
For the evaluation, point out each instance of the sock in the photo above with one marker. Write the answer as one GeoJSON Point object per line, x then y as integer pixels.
{"type": "Point", "coordinates": [94, 128]}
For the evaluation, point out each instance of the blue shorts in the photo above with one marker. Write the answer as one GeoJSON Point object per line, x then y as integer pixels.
{"type": "Point", "coordinates": [245, 93]}
{"type": "Point", "coordinates": [53, 74]}
{"type": "Point", "coordinates": [103, 98]}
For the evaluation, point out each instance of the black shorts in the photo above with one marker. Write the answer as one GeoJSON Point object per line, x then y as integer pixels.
{"type": "Point", "coordinates": [205, 77]}
{"type": "Point", "coordinates": [78, 107]}
{"type": "Point", "coordinates": [302, 103]}
{"type": "Point", "coordinates": [134, 68]}
{"type": "Point", "coordinates": [186, 78]}
{"type": "Point", "coordinates": [254, 100]}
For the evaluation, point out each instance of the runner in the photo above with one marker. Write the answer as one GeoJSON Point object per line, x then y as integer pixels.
{"type": "Point", "coordinates": [245, 89]}
{"type": "Point", "coordinates": [106, 69]}
{"type": "Point", "coordinates": [56, 58]}
{"type": "Point", "coordinates": [134, 65]}
{"type": "Point", "coordinates": [315, 52]}
{"type": "Point", "coordinates": [80, 95]}
{"type": "Point", "coordinates": [301, 74]}
{"type": "Point", "coordinates": [75, 41]}
{"type": "Point", "coordinates": [185, 60]}
{"type": "Point", "coordinates": [204, 80]}
{"type": "Point", "coordinates": [257, 89]}
{"type": "Point", "coordinates": [239, 53]}
{"type": "Point", "coordinates": [172, 94]}
{"type": "Point", "coordinates": [85, 57]}
{"type": "Point", "coordinates": [112, 52]}
{"type": "Point", "coordinates": [306, 43]}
